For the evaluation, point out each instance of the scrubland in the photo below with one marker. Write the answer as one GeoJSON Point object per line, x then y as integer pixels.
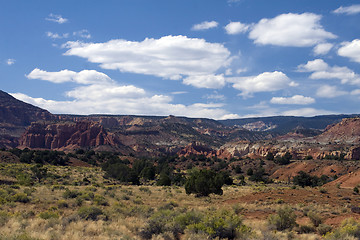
{"type": "Point", "coordinates": [79, 203]}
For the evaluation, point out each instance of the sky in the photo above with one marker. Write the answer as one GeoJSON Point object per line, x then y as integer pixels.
{"type": "Point", "coordinates": [219, 59]}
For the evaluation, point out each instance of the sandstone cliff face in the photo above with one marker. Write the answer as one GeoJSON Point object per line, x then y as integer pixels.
{"type": "Point", "coordinates": [196, 148]}
{"type": "Point", "coordinates": [66, 135]}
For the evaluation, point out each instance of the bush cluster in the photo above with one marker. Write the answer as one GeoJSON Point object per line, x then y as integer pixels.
{"type": "Point", "coordinates": [203, 182]}
{"type": "Point", "coordinates": [304, 179]}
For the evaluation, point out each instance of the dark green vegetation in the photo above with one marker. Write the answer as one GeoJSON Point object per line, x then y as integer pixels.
{"type": "Point", "coordinates": [303, 179]}
{"type": "Point", "coordinates": [203, 182]}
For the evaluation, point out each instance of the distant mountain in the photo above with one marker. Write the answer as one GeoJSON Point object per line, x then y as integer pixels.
{"type": "Point", "coordinates": [18, 113]}
{"type": "Point", "coordinates": [152, 135]}
{"type": "Point", "coordinates": [15, 116]}
{"type": "Point", "coordinates": [285, 124]}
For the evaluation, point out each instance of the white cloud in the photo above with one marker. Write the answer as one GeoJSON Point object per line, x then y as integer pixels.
{"type": "Point", "coordinates": [306, 112]}
{"type": "Point", "coordinates": [296, 99]}
{"type": "Point", "coordinates": [83, 77]}
{"type": "Point", "coordinates": [10, 61]}
{"type": "Point", "coordinates": [179, 92]}
{"type": "Point", "coordinates": [264, 110]}
{"type": "Point", "coordinates": [56, 18]}
{"type": "Point", "coordinates": [350, 10]}
{"type": "Point", "coordinates": [355, 92]}
{"type": "Point", "coordinates": [98, 93]}
{"type": "Point", "coordinates": [215, 96]}
{"type": "Point", "coordinates": [241, 70]}
{"type": "Point", "coordinates": [230, 116]}
{"type": "Point", "coordinates": [265, 82]}
{"type": "Point", "coordinates": [205, 81]}
{"type": "Point", "coordinates": [322, 70]}
{"type": "Point", "coordinates": [82, 33]}
{"type": "Point", "coordinates": [351, 50]}
{"type": "Point", "coordinates": [313, 66]}
{"type": "Point", "coordinates": [328, 91]}
{"type": "Point", "coordinates": [205, 25]}
{"type": "Point", "coordinates": [171, 57]}
{"type": "Point", "coordinates": [120, 103]}
{"type": "Point", "coordinates": [295, 30]}
{"type": "Point", "coordinates": [323, 48]}
{"type": "Point", "coordinates": [56, 35]}
{"type": "Point", "coordinates": [236, 27]}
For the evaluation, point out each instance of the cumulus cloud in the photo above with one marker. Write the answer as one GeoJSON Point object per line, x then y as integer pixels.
{"type": "Point", "coordinates": [56, 18]}
{"type": "Point", "coordinates": [205, 25]}
{"type": "Point", "coordinates": [98, 93]}
{"type": "Point", "coordinates": [205, 81]}
{"type": "Point", "coordinates": [350, 10]}
{"type": "Point", "coordinates": [82, 33]}
{"type": "Point", "coordinates": [313, 66]}
{"type": "Point", "coordinates": [10, 61]}
{"type": "Point", "coordinates": [321, 70]}
{"type": "Point", "coordinates": [307, 112]}
{"type": "Point", "coordinates": [293, 30]}
{"type": "Point", "coordinates": [351, 50]}
{"type": "Point", "coordinates": [170, 57]}
{"type": "Point", "coordinates": [328, 91]}
{"type": "Point", "coordinates": [83, 77]}
{"type": "Point", "coordinates": [160, 105]}
{"type": "Point", "coordinates": [323, 48]}
{"type": "Point", "coordinates": [296, 99]}
{"type": "Point", "coordinates": [265, 82]}
{"type": "Point", "coordinates": [56, 35]}
{"type": "Point", "coordinates": [236, 27]}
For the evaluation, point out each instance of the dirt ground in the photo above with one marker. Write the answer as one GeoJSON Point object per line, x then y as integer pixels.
{"type": "Point", "coordinates": [335, 204]}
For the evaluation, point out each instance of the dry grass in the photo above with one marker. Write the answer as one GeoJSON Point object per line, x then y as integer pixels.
{"type": "Point", "coordinates": [127, 209]}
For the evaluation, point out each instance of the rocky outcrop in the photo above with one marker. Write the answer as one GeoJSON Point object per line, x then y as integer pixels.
{"type": "Point", "coordinates": [66, 135]}
{"type": "Point", "coordinates": [196, 148]}
{"type": "Point", "coordinates": [347, 131]}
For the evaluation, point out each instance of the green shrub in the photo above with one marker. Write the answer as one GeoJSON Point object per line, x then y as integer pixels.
{"type": "Point", "coordinates": [48, 214]}
{"type": "Point", "coordinates": [188, 218]}
{"type": "Point", "coordinates": [100, 200]}
{"type": "Point", "coordinates": [145, 190]}
{"type": "Point", "coordinates": [304, 179]}
{"type": "Point", "coordinates": [259, 175]}
{"type": "Point", "coordinates": [306, 229]}
{"type": "Point", "coordinates": [70, 194]}
{"type": "Point", "coordinates": [87, 196]}
{"type": "Point", "coordinates": [323, 229]}
{"type": "Point", "coordinates": [164, 180]}
{"type": "Point", "coordinates": [62, 204]}
{"type": "Point", "coordinates": [90, 213]}
{"type": "Point", "coordinates": [315, 218]}
{"type": "Point", "coordinates": [221, 224]}
{"type": "Point", "coordinates": [349, 229]}
{"type": "Point", "coordinates": [20, 197]}
{"type": "Point", "coordinates": [203, 182]}
{"type": "Point", "coordinates": [284, 160]}
{"type": "Point", "coordinates": [160, 222]}
{"type": "Point", "coordinates": [284, 218]}
{"type": "Point", "coordinates": [4, 218]}
{"type": "Point", "coordinates": [22, 236]}
{"type": "Point", "coordinates": [24, 179]}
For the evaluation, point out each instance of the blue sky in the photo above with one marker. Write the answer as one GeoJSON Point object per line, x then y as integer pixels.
{"type": "Point", "coordinates": [198, 58]}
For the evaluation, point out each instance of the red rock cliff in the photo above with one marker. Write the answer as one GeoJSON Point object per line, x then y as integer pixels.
{"type": "Point", "coordinates": [66, 135]}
